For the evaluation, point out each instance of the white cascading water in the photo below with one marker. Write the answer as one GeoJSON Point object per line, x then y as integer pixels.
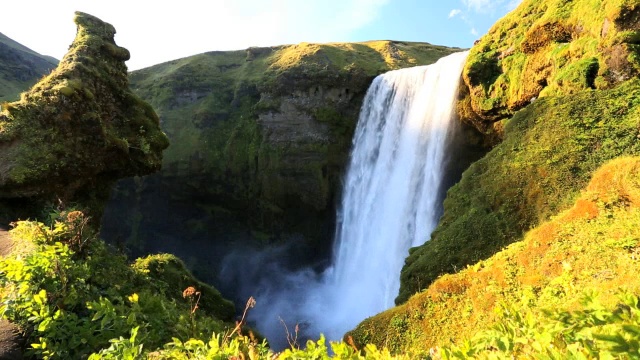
{"type": "Point", "coordinates": [392, 192]}
{"type": "Point", "coordinates": [391, 202]}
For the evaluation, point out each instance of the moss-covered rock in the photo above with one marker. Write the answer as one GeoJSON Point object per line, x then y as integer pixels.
{"type": "Point", "coordinates": [548, 48]}
{"type": "Point", "coordinates": [593, 246]}
{"type": "Point", "coordinates": [549, 152]}
{"type": "Point", "coordinates": [78, 129]}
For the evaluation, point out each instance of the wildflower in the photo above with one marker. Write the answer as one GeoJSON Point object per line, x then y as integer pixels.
{"type": "Point", "coordinates": [189, 292]}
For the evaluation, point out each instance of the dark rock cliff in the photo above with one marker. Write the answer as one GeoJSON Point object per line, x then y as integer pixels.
{"type": "Point", "coordinates": [260, 141]}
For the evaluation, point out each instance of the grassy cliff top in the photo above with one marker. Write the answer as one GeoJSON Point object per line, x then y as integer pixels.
{"type": "Point", "coordinates": [20, 67]}
{"type": "Point", "coordinates": [284, 67]}
{"type": "Point", "coordinates": [551, 47]}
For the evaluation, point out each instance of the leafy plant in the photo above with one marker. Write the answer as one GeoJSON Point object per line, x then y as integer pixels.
{"type": "Point", "coordinates": [73, 296]}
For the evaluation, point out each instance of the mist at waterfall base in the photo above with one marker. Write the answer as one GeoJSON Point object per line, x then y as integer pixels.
{"type": "Point", "coordinates": [392, 200]}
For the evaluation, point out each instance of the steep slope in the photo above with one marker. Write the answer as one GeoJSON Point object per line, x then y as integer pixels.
{"type": "Point", "coordinates": [77, 130]}
{"type": "Point", "coordinates": [552, 146]}
{"type": "Point", "coordinates": [260, 139]}
{"type": "Point", "coordinates": [592, 247]}
{"type": "Point", "coordinates": [550, 150]}
{"type": "Point", "coordinates": [20, 68]}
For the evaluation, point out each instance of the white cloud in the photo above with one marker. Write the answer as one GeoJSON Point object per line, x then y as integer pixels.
{"type": "Point", "coordinates": [480, 5]}
{"type": "Point", "coordinates": [454, 13]}
{"type": "Point", "coordinates": [474, 32]}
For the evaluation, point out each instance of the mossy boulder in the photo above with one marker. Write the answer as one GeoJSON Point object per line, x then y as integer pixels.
{"type": "Point", "coordinates": [546, 48]}
{"type": "Point", "coordinates": [78, 129]}
{"type": "Point", "coordinates": [591, 248]}
{"type": "Point", "coordinates": [171, 278]}
{"type": "Point", "coordinates": [550, 150]}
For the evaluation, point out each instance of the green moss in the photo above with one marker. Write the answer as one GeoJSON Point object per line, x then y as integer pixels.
{"type": "Point", "coordinates": [550, 150]}
{"type": "Point", "coordinates": [170, 277]}
{"type": "Point", "coordinates": [546, 48]}
{"type": "Point", "coordinates": [591, 246]}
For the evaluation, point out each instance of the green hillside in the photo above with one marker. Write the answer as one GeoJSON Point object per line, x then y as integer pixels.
{"type": "Point", "coordinates": [550, 148]}
{"type": "Point", "coordinates": [20, 68]}
{"type": "Point", "coordinates": [536, 256]}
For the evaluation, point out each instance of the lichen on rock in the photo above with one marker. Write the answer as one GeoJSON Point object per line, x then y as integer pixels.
{"type": "Point", "coordinates": [80, 128]}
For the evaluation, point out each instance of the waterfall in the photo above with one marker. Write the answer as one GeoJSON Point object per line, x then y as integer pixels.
{"type": "Point", "coordinates": [392, 201]}
{"type": "Point", "coordinates": [392, 193]}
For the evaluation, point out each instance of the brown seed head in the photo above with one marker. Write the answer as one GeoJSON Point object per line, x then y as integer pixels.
{"type": "Point", "coordinates": [189, 292]}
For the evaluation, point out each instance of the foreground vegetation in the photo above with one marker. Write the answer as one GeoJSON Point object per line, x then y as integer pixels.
{"type": "Point", "coordinates": [75, 298]}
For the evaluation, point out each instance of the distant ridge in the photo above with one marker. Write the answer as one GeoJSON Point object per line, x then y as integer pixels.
{"type": "Point", "coordinates": [20, 68]}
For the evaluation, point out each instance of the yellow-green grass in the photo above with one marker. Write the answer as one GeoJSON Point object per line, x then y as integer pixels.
{"type": "Point", "coordinates": [549, 152]}
{"type": "Point", "coordinates": [552, 47]}
{"type": "Point", "coordinates": [594, 245]}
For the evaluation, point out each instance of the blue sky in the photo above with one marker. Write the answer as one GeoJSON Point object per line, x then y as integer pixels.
{"type": "Point", "coordinates": [155, 32]}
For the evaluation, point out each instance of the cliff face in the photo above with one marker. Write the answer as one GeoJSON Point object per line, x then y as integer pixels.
{"type": "Point", "coordinates": [547, 48]}
{"type": "Point", "coordinates": [261, 137]}
{"type": "Point", "coordinates": [77, 130]}
{"type": "Point", "coordinates": [20, 68]}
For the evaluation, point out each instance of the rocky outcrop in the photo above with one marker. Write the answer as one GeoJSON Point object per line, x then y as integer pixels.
{"type": "Point", "coordinates": [77, 130]}
{"type": "Point", "coordinates": [549, 48]}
